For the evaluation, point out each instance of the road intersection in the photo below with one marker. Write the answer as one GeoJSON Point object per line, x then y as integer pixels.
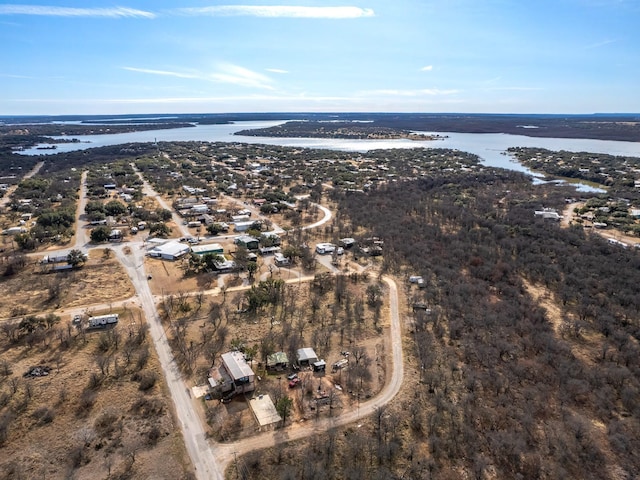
{"type": "Point", "coordinates": [210, 459]}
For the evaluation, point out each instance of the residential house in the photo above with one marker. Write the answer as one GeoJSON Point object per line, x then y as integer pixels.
{"type": "Point", "coordinates": [234, 376]}
{"type": "Point", "coordinates": [277, 361]}
{"type": "Point", "coordinates": [169, 251]}
{"type": "Point", "coordinates": [247, 241]}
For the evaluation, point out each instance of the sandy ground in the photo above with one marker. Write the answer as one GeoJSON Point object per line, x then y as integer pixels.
{"type": "Point", "coordinates": [101, 280]}
{"type": "Point", "coordinates": [568, 216]}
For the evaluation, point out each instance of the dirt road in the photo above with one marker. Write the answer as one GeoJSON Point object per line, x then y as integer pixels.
{"type": "Point", "coordinates": [82, 238]}
{"type": "Point", "coordinates": [224, 453]}
{"type": "Point", "coordinates": [4, 201]}
{"type": "Point", "coordinates": [211, 459]}
{"type": "Point", "coordinates": [328, 215]}
{"type": "Point", "coordinates": [150, 192]}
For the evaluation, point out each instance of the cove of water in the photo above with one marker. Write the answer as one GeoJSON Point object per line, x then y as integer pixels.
{"type": "Point", "coordinates": [490, 147]}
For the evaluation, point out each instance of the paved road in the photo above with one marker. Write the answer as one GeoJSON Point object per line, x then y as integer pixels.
{"type": "Point", "coordinates": [211, 460]}
{"type": "Point", "coordinates": [204, 463]}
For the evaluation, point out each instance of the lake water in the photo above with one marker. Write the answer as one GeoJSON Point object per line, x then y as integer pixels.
{"type": "Point", "coordinates": [490, 147]}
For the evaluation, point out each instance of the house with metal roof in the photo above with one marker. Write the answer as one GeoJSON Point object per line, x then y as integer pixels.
{"type": "Point", "coordinates": [169, 251]}
{"type": "Point", "coordinates": [306, 356]}
{"type": "Point", "coordinates": [277, 361]}
{"type": "Point", "coordinates": [207, 248]}
{"type": "Point", "coordinates": [234, 376]}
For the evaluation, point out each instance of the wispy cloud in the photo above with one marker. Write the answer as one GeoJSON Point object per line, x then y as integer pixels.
{"type": "Point", "coordinates": [408, 93]}
{"type": "Point", "coordinates": [600, 44]}
{"type": "Point", "coordinates": [165, 73]}
{"type": "Point", "coordinates": [10, 75]}
{"type": "Point", "coordinates": [276, 70]}
{"type": "Point", "coordinates": [225, 73]}
{"type": "Point", "coordinates": [516, 89]}
{"type": "Point", "coordinates": [237, 75]}
{"type": "Point", "coordinates": [275, 11]}
{"type": "Point", "coordinates": [426, 68]}
{"type": "Point", "coordinates": [48, 11]}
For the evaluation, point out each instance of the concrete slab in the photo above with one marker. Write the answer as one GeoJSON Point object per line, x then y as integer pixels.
{"type": "Point", "coordinates": [199, 390]}
{"type": "Point", "coordinates": [264, 410]}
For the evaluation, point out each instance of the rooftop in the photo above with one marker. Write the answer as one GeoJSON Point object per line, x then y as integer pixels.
{"type": "Point", "coordinates": [236, 365]}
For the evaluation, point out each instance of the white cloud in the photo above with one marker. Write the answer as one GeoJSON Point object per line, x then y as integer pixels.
{"type": "Point", "coordinates": [516, 89]}
{"type": "Point", "coordinates": [161, 72]}
{"type": "Point", "coordinates": [600, 44]}
{"type": "Point", "coordinates": [47, 11]}
{"type": "Point", "coordinates": [237, 75]}
{"type": "Point", "coordinates": [10, 75]}
{"type": "Point", "coordinates": [274, 11]}
{"type": "Point", "coordinates": [427, 68]}
{"type": "Point", "coordinates": [408, 93]}
{"type": "Point", "coordinates": [276, 70]}
{"type": "Point", "coordinates": [226, 73]}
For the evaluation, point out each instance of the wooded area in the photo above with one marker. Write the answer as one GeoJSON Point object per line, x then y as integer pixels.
{"type": "Point", "coordinates": [506, 383]}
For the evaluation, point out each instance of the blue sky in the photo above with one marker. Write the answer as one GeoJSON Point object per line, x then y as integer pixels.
{"type": "Point", "coordinates": [197, 56]}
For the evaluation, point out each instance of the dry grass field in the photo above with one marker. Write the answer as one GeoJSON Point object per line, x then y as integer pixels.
{"type": "Point", "coordinates": [101, 412]}
{"type": "Point", "coordinates": [32, 290]}
{"type": "Point", "coordinates": [308, 318]}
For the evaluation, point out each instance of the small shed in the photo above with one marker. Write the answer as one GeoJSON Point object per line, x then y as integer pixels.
{"type": "Point", "coordinates": [277, 361]}
{"type": "Point", "coordinates": [347, 242]}
{"type": "Point", "coordinates": [306, 356]}
{"type": "Point", "coordinates": [264, 410]}
{"type": "Point", "coordinates": [319, 366]}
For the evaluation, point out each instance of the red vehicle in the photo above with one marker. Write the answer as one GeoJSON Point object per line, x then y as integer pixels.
{"type": "Point", "coordinates": [294, 382]}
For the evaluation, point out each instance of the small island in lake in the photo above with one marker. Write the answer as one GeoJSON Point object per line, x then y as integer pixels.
{"type": "Point", "coordinates": [348, 130]}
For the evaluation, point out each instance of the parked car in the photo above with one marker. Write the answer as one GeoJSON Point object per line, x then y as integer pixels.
{"type": "Point", "coordinates": [291, 376]}
{"type": "Point", "coordinates": [294, 382]}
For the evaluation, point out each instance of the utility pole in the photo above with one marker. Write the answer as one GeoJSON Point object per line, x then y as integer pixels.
{"type": "Point", "coordinates": [235, 460]}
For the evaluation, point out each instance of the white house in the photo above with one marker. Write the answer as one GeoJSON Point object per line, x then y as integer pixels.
{"type": "Point", "coordinates": [243, 226]}
{"type": "Point", "coordinates": [234, 376]}
{"type": "Point", "coordinates": [324, 248]}
{"type": "Point", "coordinates": [169, 251]}
{"type": "Point", "coordinates": [548, 214]}
{"type": "Point", "coordinates": [281, 260]}
{"type": "Point", "coordinates": [102, 321]}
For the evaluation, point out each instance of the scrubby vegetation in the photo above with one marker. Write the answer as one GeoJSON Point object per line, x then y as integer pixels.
{"type": "Point", "coordinates": [526, 362]}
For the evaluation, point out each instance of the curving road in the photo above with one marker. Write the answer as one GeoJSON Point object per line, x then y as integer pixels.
{"type": "Point", "coordinates": [224, 453]}
{"type": "Point", "coordinates": [210, 459]}
{"type": "Point", "coordinates": [328, 215]}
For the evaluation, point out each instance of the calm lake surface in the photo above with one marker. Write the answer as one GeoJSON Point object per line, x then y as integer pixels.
{"type": "Point", "coordinates": [490, 147]}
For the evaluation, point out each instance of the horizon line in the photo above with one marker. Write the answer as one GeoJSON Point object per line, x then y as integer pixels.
{"type": "Point", "coordinates": [373, 112]}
